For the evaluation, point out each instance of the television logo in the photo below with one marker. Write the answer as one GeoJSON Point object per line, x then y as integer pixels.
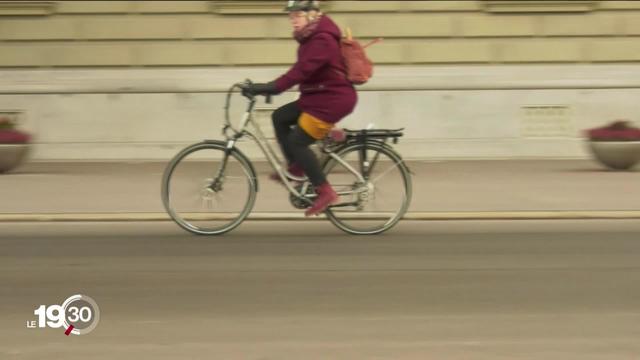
{"type": "Point", "coordinates": [78, 315]}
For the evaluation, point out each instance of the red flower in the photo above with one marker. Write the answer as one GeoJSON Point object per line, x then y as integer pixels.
{"type": "Point", "coordinates": [619, 130]}
{"type": "Point", "coordinates": [13, 137]}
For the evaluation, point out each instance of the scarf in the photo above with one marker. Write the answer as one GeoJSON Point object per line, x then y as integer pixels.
{"type": "Point", "coordinates": [304, 33]}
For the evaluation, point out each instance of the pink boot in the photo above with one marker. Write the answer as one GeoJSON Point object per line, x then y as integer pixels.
{"type": "Point", "coordinates": [326, 196]}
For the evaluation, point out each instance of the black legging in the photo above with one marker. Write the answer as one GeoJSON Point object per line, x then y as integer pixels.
{"type": "Point", "coordinates": [295, 142]}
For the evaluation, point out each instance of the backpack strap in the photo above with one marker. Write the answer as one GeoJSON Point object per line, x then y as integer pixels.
{"type": "Point", "coordinates": [349, 36]}
{"type": "Point", "coordinates": [374, 41]}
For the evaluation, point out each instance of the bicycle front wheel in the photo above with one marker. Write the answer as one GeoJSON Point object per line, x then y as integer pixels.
{"type": "Point", "coordinates": [207, 190]}
{"type": "Point", "coordinates": [377, 199]}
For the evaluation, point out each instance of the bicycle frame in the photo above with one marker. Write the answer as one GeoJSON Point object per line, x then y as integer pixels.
{"type": "Point", "coordinates": [268, 151]}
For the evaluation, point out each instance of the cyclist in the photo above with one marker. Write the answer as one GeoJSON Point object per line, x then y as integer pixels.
{"type": "Point", "coordinates": [326, 97]}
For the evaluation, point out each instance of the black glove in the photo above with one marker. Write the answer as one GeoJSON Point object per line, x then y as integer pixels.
{"type": "Point", "coordinates": [259, 89]}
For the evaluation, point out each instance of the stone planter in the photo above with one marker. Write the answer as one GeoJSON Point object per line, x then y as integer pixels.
{"type": "Point", "coordinates": [12, 155]}
{"type": "Point", "coordinates": [617, 155]}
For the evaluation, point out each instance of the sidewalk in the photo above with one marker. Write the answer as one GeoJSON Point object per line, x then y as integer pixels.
{"type": "Point", "coordinates": [448, 189]}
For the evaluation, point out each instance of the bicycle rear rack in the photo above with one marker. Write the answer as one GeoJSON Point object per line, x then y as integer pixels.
{"type": "Point", "coordinates": [379, 134]}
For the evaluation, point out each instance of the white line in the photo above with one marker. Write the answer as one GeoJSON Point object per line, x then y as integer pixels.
{"type": "Point", "coordinates": [291, 216]}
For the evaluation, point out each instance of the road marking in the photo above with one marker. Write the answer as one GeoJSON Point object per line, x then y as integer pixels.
{"type": "Point", "coordinates": [295, 216]}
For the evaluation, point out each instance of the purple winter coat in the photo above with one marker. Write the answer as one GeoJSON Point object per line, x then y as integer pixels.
{"type": "Point", "coordinates": [325, 91]}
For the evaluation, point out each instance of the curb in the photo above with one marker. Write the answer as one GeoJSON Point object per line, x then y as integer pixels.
{"type": "Point", "coordinates": [290, 216]}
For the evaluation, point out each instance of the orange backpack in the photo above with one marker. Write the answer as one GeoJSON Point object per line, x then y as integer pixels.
{"type": "Point", "coordinates": [359, 67]}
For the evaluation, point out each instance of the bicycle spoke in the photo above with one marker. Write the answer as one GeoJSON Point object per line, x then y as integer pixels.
{"type": "Point", "coordinates": [395, 165]}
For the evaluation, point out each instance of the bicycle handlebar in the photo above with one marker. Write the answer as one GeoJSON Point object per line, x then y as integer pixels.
{"type": "Point", "coordinates": [250, 97]}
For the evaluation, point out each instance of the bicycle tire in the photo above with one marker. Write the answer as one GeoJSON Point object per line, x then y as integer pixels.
{"type": "Point", "coordinates": [227, 219]}
{"type": "Point", "coordinates": [345, 218]}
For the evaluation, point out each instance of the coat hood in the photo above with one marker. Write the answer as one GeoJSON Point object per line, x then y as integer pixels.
{"type": "Point", "coordinates": [326, 25]}
{"type": "Point", "coordinates": [323, 25]}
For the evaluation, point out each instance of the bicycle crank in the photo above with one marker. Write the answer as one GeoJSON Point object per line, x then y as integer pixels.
{"type": "Point", "coordinates": [299, 202]}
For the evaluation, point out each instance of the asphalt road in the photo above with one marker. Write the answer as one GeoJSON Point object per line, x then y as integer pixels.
{"type": "Point", "coordinates": [304, 290]}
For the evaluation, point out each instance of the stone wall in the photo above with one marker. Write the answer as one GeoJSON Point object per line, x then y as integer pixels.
{"type": "Point", "coordinates": [467, 79]}
{"type": "Point", "coordinates": [232, 33]}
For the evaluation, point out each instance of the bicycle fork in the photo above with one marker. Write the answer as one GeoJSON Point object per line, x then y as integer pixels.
{"type": "Point", "coordinates": [218, 179]}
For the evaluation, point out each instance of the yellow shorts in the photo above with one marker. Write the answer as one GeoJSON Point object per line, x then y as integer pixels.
{"type": "Point", "coordinates": [313, 126]}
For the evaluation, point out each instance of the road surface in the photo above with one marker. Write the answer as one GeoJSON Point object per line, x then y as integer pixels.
{"type": "Point", "coordinates": [304, 290]}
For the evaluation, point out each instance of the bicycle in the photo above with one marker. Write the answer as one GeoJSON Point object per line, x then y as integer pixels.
{"type": "Point", "coordinates": [199, 179]}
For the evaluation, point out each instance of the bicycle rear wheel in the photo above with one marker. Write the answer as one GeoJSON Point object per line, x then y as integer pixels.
{"type": "Point", "coordinates": [375, 203]}
{"type": "Point", "coordinates": [207, 191]}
